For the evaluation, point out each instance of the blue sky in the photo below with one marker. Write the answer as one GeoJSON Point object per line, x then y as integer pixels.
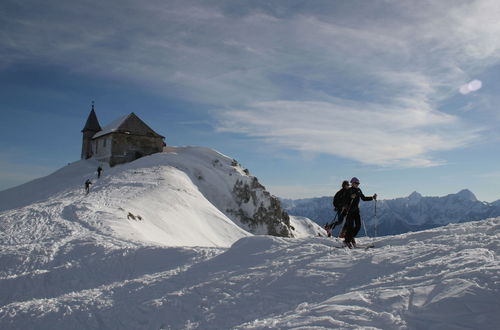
{"type": "Point", "coordinates": [402, 94]}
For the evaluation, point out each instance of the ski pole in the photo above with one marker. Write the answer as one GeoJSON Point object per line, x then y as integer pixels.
{"type": "Point", "coordinates": [328, 224]}
{"type": "Point", "coordinates": [333, 223]}
{"type": "Point", "coordinates": [364, 227]}
{"type": "Point", "coordinates": [334, 218]}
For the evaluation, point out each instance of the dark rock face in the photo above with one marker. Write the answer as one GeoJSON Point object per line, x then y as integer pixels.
{"type": "Point", "coordinates": [258, 210]}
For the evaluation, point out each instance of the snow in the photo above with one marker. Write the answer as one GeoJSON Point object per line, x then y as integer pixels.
{"type": "Point", "coordinates": [305, 227]}
{"type": "Point", "coordinates": [75, 261]}
{"type": "Point", "coordinates": [442, 278]}
{"type": "Point", "coordinates": [112, 127]}
{"type": "Point", "coordinates": [149, 200]}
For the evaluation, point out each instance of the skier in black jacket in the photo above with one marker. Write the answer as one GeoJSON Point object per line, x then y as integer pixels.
{"type": "Point", "coordinates": [353, 221]}
{"type": "Point", "coordinates": [87, 186]}
{"type": "Point", "coordinates": [340, 201]}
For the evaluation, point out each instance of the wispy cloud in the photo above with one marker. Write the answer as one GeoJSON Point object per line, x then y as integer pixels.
{"type": "Point", "coordinates": [369, 133]}
{"type": "Point", "coordinates": [296, 77]}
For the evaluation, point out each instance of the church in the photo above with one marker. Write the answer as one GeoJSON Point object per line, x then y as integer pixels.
{"type": "Point", "coordinates": [122, 141]}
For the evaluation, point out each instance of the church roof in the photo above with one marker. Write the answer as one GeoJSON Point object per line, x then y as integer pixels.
{"type": "Point", "coordinates": [92, 123]}
{"type": "Point", "coordinates": [129, 124]}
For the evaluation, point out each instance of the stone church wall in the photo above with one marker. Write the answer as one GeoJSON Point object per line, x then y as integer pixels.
{"type": "Point", "coordinates": [126, 147]}
{"type": "Point", "coordinates": [101, 147]}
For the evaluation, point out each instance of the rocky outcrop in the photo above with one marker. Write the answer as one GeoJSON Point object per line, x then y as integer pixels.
{"type": "Point", "coordinates": [260, 212]}
{"type": "Point", "coordinates": [239, 195]}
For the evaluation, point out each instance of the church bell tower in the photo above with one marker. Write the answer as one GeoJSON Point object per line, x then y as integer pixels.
{"type": "Point", "coordinates": [91, 127]}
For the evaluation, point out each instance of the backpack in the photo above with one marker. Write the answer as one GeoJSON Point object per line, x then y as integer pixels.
{"type": "Point", "coordinates": [338, 200]}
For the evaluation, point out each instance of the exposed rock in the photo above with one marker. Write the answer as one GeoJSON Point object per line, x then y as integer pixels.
{"type": "Point", "coordinates": [258, 209]}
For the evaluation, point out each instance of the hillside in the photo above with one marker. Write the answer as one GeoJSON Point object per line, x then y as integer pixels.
{"type": "Point", "coordinates": [187, 197]}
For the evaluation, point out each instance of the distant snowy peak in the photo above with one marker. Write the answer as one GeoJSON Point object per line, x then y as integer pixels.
{"type": "Point", "coordinates": [415, 197]}
{"type": "Point", "coordinates": [463, 195]}
{"type": "Point", "coordinates": [466, 195]}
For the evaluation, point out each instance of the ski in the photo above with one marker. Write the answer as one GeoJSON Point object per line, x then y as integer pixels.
{"type": "Point", "coordinates": [366, 247]}
{"type": "Point", "coordinates": [357, 247]}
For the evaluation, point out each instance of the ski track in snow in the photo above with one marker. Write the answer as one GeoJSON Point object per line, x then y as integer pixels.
{"type": "Point", "coordinates": [75, 262]}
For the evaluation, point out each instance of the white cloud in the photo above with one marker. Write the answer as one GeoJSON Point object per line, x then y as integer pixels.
{"type": "Point", "coordinates": [292, 77]}
{"type": "Point", "coordinates": [364, 132]}
{"type": "Point", "coordinates": [208, 54]}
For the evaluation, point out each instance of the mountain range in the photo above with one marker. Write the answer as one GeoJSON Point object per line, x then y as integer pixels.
{"type": "Point", "coordinates": [400, 215]}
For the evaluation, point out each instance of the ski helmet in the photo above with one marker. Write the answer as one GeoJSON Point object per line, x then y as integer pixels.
{"type": "Point", "coordinates": [345, 183]}
{"type": "Point", "coordinates": [355, 180]}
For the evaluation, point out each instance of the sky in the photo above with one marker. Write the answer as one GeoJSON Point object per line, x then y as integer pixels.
{"type": "Point", "coordinates": [401, 94]}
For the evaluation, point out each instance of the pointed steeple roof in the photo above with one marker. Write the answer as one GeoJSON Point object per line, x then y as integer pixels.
{"type": "Point", "coordinates": [92, 123]}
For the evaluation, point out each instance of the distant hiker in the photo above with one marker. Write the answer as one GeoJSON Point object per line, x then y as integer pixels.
{"type": "Point", "coordinates": [87, 185]}
{"type": "Point", "coordinates": [340, 202]}
{"type": "Point", "coordinates": [99, 170]}
{"type": "Point", "coordinates": [353, 221]}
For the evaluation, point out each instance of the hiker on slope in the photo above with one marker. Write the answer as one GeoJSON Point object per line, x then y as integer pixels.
{"type": "Point", "coordinates": [87, 186]}
{"type": "Point", "coordinates": [340, 202]}
{"type": "Point", "coordinates": [353, 221]}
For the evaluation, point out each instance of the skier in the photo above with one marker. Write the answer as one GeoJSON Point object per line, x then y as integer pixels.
{"type": "Point", "coordinates": [353, 221]}
{"type": "Point", "coordinates": [99, 170]}
{"type": "Point", "coordinates": [87, 186]}
{"type": "Point", "coordinates": [340, 202]}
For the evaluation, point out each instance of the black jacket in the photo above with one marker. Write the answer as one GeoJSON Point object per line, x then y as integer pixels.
{"type": "Point", "coordinates": [341, 199]}
{"type": "Point", "coordinates": [358, 194]}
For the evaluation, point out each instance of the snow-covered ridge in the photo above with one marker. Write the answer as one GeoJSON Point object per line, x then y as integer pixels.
{"type": "Point", "coordinates": [232, 190]}
{"type": "Point", "coordinates": [188, 196]}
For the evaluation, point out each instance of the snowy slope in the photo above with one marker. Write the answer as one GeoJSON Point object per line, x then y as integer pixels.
{"type": "Point", "coordinates": [189, 196]}
{"type": "Point", "coordinates": [231, 189]}
{"type": "Point", "coordinates": [444, 278]}
{"type": "Point", "coordinates": [304, 227]}
{"type": "Point", "coordinates": [147, 201]}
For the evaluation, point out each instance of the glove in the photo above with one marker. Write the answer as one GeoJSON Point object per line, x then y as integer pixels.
{"type": "Point", "coordinates": [375, 196]}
